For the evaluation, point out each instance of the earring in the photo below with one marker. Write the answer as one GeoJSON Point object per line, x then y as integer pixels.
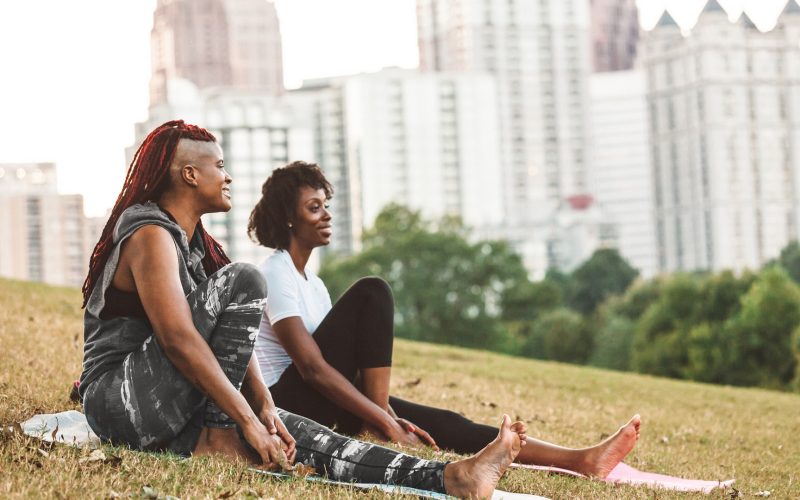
{"type": "Point", "coordinates": [290, 224]}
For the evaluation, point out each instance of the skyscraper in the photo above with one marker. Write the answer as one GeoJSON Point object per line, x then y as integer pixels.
{"type": "Point", "coordinates": [45, 235]}
{"type": "Point", "coordinates": [212, 43]}
{"type": "Point", "coordinates": [615, 32]}
{"type": "Point", "coordinates": [724, 108]}
{"type": "Point", "coordinates": [538, 52]}
{"type": "Point", "coordinates": [621, 178]}
{"type": "Point", "coordinates": [425, 141]}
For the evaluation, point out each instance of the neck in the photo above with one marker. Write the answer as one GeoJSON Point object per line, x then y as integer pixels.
{"type": "Point", "coordinates": [186, 217]}
{"type": "Point", "coordinates": [299, 255]}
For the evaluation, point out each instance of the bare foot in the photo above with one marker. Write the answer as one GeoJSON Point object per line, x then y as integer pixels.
{"type": "Point", "coordinates": [601, 459]}
{"type": "Point", "coordinates": [476, 477]}
{"type": "Point", "coordinates": [225, 442]}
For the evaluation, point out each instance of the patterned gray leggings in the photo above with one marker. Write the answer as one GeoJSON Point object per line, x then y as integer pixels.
{"type": "Point", "coordinates": [147, 404]}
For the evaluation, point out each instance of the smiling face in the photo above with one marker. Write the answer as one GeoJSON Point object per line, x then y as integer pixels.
{"type": "Point", "coordinates": [201, 166]}
{"type": "Point", "coordinates": [311, 226]}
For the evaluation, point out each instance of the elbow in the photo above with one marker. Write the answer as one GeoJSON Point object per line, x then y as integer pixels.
{"type": "Point", "coordinates": [174, 348]}
{"type": "Point", "coordinates": [311, 373]}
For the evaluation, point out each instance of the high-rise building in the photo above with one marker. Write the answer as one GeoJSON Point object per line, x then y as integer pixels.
{"type": "Point", "coordinates": [254, 40]}
{"type": "Point", "coordinates": [621, 178]}
{"type": "Point", "coordinates": [538, 52]}
{"type": "Point", "coordinates": [615, 32]}
{"type": "Point", "coordinates": [425, 141]}
{"type": "Point", "coordinates": [215, 43]}
{"type": "Point", "coordinates": [45, 235]}
{"type": "Point", "coordinates": [724, 108]}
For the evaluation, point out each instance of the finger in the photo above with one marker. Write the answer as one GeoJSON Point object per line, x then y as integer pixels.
{"type": "Point", "coordinates": [408, 426]}
{"type": "Point", "coordinates": [271, 425]}
{"type": "Point", "coordinates": [291, 454]}
{"type": "Point", "coordinates": [427, 438]}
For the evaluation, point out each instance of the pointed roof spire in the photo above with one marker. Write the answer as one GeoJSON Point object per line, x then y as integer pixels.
{"type": "Point", "coordinates": [791, 8]}
{"type": "Point", "coordinates": [713, 6]}
{"type": "Point", "coordinates": [748, 23]}
{"type": "Point", "coordinates": [666, 20]}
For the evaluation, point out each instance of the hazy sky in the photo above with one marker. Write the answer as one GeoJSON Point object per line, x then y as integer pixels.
{"type": "Point", "coordinates": [75, 72]}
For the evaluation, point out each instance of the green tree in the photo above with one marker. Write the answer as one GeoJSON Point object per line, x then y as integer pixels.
{"type": "Point", "coordinates": [604, 274]}
{"type": "Point", "coordinates": [559, 335]}
{"type": "Point", "coordinates": [660, 342]}
{"type": "Point", "coordinates": [789, 259]}
{"type": "Point", "coordinates": [613, 342]}
{"type": "Point", "coordinates": [528, 300]}
{"type": "Point", "coordinates": [761, 334]}
{"type": "Point", "coordinates": [446, 289]}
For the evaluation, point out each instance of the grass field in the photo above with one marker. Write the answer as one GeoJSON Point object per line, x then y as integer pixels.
{"type": "Point", "coordinates": [689, 429]}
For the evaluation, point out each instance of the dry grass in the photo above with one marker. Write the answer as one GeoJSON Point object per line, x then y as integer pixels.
{"type": "Point", "coordinates": [690, 430]}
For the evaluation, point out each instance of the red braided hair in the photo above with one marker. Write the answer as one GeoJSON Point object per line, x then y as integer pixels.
{"type": "Point", "coordinates": [146, 180]}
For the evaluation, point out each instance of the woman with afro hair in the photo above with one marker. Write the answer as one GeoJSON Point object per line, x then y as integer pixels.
{"type": "Point", "coordinates": [332, 362]}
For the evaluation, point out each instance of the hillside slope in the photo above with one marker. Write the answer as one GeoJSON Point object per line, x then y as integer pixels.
{"type": "Point", "coordinates": [689, 429]}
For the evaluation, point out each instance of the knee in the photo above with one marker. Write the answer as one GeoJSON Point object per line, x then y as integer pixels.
{"type": "Point", "coordinates": [375, 288]}
{"type": "Point", "coordinates": [247, 281]}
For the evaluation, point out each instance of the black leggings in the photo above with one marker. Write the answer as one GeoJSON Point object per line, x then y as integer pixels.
{"type": "Point", "coordinates": [358, 333]}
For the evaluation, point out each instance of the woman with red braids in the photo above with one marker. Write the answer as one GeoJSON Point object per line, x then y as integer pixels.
{"type": "Point", "coordinates": [170, 328]}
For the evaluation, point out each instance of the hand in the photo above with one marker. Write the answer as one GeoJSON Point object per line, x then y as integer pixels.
{"type": "Point", "coordinates": [270, 447]}
{"type": "Point", "coordinates": [419, 433]}
{"type": "Point", "coordinates": [269, 417]}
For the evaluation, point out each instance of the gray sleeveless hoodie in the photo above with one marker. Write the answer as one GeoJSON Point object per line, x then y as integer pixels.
{"type": "Point", "coordinates": [108, 341]}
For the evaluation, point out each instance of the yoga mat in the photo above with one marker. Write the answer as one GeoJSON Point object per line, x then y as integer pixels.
{"type": "Point", "coordinates": [625, 474]}
{"type": "Point", "coordinates": [72, 429]}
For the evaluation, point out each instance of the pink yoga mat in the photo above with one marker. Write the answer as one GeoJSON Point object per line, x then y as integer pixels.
{"type": "Point", "coordinates": [625, 474]}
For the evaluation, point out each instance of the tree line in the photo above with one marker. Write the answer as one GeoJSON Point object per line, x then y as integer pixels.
{"type": "Point", "coordinates": [713, 327]}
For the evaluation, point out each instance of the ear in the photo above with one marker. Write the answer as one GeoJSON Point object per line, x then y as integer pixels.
{"type": "Point", "coordinates": [188, 175]}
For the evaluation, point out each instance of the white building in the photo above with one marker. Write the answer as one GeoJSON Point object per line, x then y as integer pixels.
{"type": "Point", "coordinates": [425, 141]}
{"type": "Point", "coordinates": [539, 53]}
{"type": "Point", "coordinates": [724, 105]}
{"type": "Point", "coordinates": [580, 226]}
{"type": "Point", "coordinates": [45, 235]}
{"type": "Point", "coordinates": [621, 177]}
{"type": "Point", "coordinates": [256, 134]}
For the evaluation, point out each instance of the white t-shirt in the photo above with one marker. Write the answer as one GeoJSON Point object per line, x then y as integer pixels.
{"type": "Point", "coordinates": [288, 294]}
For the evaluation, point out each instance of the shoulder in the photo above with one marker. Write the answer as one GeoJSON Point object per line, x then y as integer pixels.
{"type": "Point", "coordinates": [150, 240]}
{"type": "Point", "coordinates": [275, 268]}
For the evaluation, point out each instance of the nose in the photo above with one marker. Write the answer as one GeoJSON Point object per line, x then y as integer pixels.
{"type": "Point", "coordinates": [228, 178]}
{"type": "Point", "coordinates": [326, 214]}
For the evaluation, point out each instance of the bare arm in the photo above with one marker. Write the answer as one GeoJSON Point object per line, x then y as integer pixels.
{"type": "Point", "coordinates": [150, 261]}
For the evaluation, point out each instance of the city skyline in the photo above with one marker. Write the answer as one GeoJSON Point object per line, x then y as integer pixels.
{"type": "Point", "coordinates": [79, 111]}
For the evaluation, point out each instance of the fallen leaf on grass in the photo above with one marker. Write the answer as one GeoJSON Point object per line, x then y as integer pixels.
{"type": "Point", "coordinates": [489, 404]}
{"type": "Point", "coordinates": [100, 456]}
{"type": "Point", "coordinates": [413, 383]}
{"type": "Point", "coordinates": [664, 440]}
{"type": "Point", "coordinates": [734, 493]}
{"type": "Point", "coordinates": [228, 494]}
{"type": "Point", "coordinates": [764, 493]}
{"type": "Point", "coordinates": [303, 470]}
